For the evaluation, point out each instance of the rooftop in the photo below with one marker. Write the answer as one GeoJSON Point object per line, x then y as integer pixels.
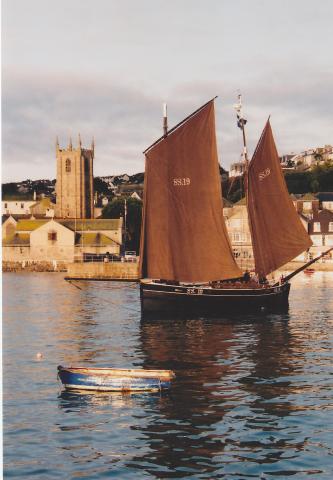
{"type": "Point", "coordinates": [240, 202]}
{"type": "Point", "coordinates": [325, 196]}
{"type": "Point", "coordinates": [17, 239]}
{"type": "Point", "coordinates": [96, 239]}
{"type": "Point", "coordinates": [30, 224]}
{"type": "Point", "coordinates": [91, 224]}
{"type": "Point", "coordinates": [308, 197]}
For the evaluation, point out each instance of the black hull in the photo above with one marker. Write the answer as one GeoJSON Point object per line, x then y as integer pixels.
{"type": "Point", "coordinates": [163, 298]}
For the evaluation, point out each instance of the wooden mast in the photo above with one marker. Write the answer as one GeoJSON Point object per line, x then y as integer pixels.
{"type": "Point", "coordinates": [241, 124]}
{"type": "Point", "coordinates": [178, 125]}
{"type": "Point", "coordinates": [165, 119]}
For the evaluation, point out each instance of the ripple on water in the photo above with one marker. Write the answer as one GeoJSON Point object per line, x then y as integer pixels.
{"type": "Point", "coordinates": [252, 398]}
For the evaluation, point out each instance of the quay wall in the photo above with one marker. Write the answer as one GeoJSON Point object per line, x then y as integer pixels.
{"type": "Point", "coordinates": [34, 266]}
{"type": "Point", "coordinates": [318, 266]}
{"type": "Point", "coordinates": [116, 270]}
{"type": "Point", "coordinates": [104, 271]}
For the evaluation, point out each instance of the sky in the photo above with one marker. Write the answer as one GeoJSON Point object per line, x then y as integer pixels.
{"type": "Point", "coordinates": [103, 68]}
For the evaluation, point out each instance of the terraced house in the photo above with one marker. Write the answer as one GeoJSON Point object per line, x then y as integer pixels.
{"type": "Point", "coordinates": [65, 240]}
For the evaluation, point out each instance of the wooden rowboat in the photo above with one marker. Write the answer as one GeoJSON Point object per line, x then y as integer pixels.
{"type": "Point", "coordinates": [114, 379]}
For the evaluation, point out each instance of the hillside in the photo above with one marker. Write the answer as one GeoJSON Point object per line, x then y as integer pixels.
{"type": "Point", "coordinates": [319, 179]}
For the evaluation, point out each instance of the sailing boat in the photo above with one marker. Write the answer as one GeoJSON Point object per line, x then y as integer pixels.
{"type": "Point", "coordinates": [186, 259]}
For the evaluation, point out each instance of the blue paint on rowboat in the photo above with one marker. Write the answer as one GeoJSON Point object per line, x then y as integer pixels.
{"type": "Point", "coordinates": [114, 379]}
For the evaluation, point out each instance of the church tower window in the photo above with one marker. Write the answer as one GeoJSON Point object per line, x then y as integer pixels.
{"type": "Point", "coordinates": [68, 165]}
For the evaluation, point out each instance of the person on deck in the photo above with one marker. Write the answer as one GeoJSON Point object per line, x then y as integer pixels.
{"type": "Point", "coordinates": [246, 277]}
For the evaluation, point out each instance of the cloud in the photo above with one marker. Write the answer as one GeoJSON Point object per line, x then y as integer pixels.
{"type": "Point", "coordinates": [36, 110]}
{"type": "Point", "coordinates": [124, 119]}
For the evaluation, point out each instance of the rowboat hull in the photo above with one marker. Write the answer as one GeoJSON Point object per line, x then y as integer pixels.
{"type": "Point", "coordinates": [114, 380]}
{"type": "Point", "coordinates": [157, 297]}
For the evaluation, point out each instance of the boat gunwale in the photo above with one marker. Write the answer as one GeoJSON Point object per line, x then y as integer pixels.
{"type": "Point", "coordinates": [110, 389]}
{"type": "Point", "coordinates": [118, 372]}
{"type": "Point", "coordinates": [212, 292]}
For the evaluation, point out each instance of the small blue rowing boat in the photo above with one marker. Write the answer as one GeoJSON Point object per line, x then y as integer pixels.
{"type": "Point", "coordinates": [114, 379]}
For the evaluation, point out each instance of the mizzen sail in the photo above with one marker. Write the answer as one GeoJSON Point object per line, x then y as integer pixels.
{"type": "Point", "coordinates": [277, 233]}
{"type": "Point", "coordinates": [184, 237]}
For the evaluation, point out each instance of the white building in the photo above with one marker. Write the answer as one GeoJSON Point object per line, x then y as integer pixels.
{"type": "Point", "coordinates": [17, 207]}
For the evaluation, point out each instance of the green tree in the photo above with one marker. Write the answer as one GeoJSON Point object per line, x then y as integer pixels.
{"type": "Point", "coordinates": [298, 182]}
{"type": "Point", "coordinates": [116, 209]}
{"type": "Point", "coordinates": [100, 186]}
{"type": "Point", "coordinates": [9, 189]}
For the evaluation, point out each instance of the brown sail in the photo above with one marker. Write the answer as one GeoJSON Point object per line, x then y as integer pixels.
{"type": "Point", "coordinates": [184, 237]}
{"type": "Point", "coordinates": [277, 233]}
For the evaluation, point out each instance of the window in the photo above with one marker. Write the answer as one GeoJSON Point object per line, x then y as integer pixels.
{"type": "Point", "coordinates": [316, 226]}
{"type": "Point", "coordinates": [6, 205]}
{"type": "Point", "coordinates": [317, 240]}
{"type": "Point", "coordinates": [22, 205]}
{"type": "Point", "coordinates": [68, 165]}
{"type": "Point", "coordinates": [52, 236]}
{"type": "Point", "coordinates": [330, 227]}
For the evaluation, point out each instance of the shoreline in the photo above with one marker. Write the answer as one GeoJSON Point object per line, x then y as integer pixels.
{"type": "Point", "coordinates": [63, 267]}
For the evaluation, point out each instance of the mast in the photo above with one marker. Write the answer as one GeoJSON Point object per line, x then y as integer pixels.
{"type": "Point", "coordinates": [241, 122]}
{"type": "Point", "coordinates": [165, 119]}
{"type": "Point", "coordinates": [186, 119]}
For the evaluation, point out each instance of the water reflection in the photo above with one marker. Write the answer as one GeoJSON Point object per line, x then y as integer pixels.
{"type": "Point", "coordinates": [226, 377]}
{"type": "Point", "coordinates": [82, 400]}
{"type": "Point", "coordinates": [252, 394]}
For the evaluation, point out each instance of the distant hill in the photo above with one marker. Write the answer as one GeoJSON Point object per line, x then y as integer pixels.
{"type": "Point", "coordinates": [318, 179]}
{"type": "Point", "coordinates": [102, 185]}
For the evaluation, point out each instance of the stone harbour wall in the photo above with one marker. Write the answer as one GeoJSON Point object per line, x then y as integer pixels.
{"type": "Point", "coordinates": [103, 271]}
{"type": "Point", "coordinates": [318, 266]}
{"type": "Point", "coordinates": [34, 266]}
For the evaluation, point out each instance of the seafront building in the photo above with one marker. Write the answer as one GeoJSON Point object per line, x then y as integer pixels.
{"type": "Point", "coordinates": [46, 233]}
{"type": "Point", "coordinates": [313, 156]}
{"type": "Point", "coordinates": [317, 221]}
{"type": "Point", "coordinates": [59, 240]}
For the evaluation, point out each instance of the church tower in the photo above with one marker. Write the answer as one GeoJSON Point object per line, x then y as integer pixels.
{"type": "Point", "coordinates": [75, 187]}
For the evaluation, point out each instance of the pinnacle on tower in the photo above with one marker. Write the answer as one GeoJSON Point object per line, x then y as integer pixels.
{"type": "Point", "coordinates": [93, 145]}
{"type": "Point", "coordinates": [57, 143]}
{"type": "Point", "coordinates": [70, 145]}
{"type": "Point", "coordinates": [80, 143]}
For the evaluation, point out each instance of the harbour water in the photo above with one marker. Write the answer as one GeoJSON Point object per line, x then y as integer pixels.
{"type": "Point", "coordinates": [253, 396]}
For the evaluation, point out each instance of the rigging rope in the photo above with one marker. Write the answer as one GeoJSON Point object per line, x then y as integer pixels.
{"type": "Point", "coordinates": [108, 300]}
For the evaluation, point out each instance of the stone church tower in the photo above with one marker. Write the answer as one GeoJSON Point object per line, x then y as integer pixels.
{"type": "Point", "coordinates": [75, 187]}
